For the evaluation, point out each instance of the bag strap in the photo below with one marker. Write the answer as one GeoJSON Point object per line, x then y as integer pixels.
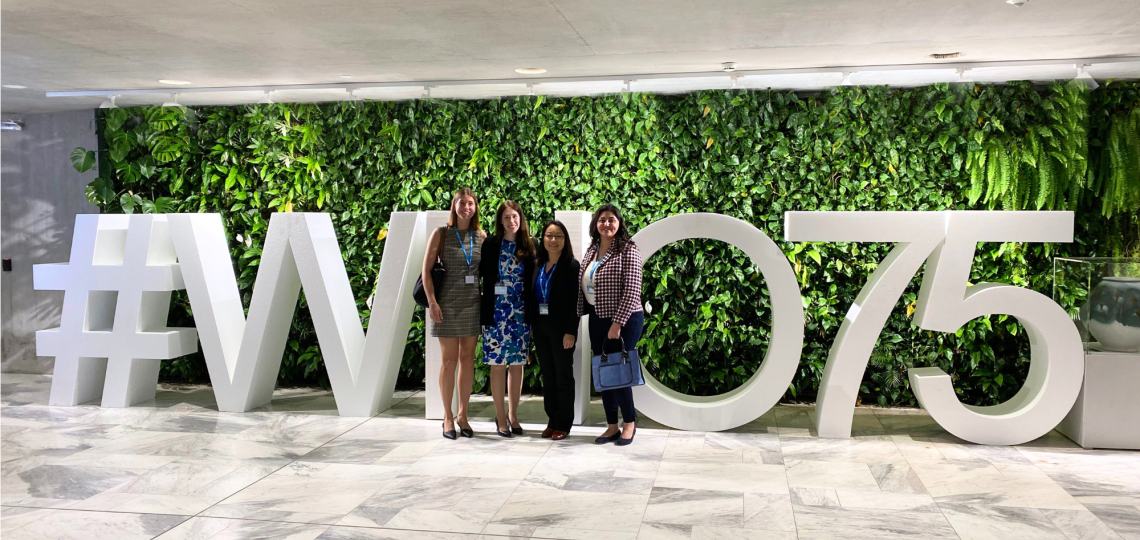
{"type": "Point", "coordinates": [624, 352]}
{"type": "Point", "coordinates": [442, 239]}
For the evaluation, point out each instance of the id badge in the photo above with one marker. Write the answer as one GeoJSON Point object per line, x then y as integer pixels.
{"type": "Point", "coordinates": [544, 309]}
{"type": "Point", "coordinates": [589, 289]}
{"type": "Point", "coordinates": [470, 280]}
{"type": "Point", "coordinates": [501, 289]}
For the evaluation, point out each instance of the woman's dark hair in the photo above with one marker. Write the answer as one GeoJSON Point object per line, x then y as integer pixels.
{"type": "Point", "coordinates": [524, 246]}
{"type": "Point", "coordinates": [621, 237]}
{"type": "Point", "coordinates": [567, 249]}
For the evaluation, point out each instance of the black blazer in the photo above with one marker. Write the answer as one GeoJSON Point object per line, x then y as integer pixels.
{"type": "Point", "coordinates": [489, 273]}
{"type": "Point", "coordinates": [563, 297]}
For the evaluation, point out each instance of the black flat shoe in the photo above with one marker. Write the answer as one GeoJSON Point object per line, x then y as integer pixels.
{"type": "Point", "coordinates": [608, 438]}
{"type": "Point", "coordinates": [448, 434]}
{"type": "Point", "coordinates": [466, 432]}
{"type": "Point", "coordinates": [506, 433]}
{"type": "Point", "coordinates": [624, 442]}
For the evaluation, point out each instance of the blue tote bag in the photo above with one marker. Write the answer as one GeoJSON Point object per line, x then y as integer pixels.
{"type": "Point", "coordinates": [616, 370]}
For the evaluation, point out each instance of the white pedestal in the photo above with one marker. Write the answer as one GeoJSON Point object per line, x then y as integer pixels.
{"type": "Point", "coordinates": [577, 224]}
{"type": "Point", "coordinates": [1105, 413]}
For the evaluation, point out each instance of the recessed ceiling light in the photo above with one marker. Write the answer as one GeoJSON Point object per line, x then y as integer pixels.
{"type": "Point", "coordinates": [15, 86]}
{"type": "Point", "coordinates": [174, 82]}
{"type": "Point", "coordinates": [530, 71]}
{"type": "Point", "coordinates": [941, 56]}
{"type": "Point", "coordinates": [728, 67]}
{"type": "Point", "coordinates": [346, 76]}
{"type": "Point", "coordinates": [1016, 3]}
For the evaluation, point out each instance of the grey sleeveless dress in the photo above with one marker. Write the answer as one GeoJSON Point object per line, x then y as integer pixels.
{"type": "Point", "coordinates": [458, 300]}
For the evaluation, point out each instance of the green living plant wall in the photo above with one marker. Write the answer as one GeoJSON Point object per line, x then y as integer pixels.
{"type": "Point", "coordinates": [748, 154]}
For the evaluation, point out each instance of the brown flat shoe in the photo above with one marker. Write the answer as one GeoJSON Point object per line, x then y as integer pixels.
{"type": "Point", "coordinates": [547, 433]}
{"type": "Point", "coordinates": [559, 435]}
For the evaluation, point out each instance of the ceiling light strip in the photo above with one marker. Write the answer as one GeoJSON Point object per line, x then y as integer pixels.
{"type": "Point", "coordinates": [1076, 62]}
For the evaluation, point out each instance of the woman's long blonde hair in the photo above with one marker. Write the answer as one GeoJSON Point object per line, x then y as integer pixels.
{"type": "Point", "coordinates": [454, 218]}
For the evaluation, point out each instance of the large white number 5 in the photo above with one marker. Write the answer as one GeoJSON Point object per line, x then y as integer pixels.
{"type": "Point", "coordinates": [946, 303]}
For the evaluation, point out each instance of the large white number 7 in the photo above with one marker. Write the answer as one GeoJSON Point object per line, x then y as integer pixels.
{"type": "Point", "coordinates": [945, 303]}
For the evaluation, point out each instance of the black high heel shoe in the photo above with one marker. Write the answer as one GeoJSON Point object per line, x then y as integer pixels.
{"type": "Point", "coordinates": [515, 430]}
{"type": "Point", "coordinates": [466, 431]}
{"type": "Point", "coordinates": [447, 434]}
{"type": "Point", "coordinates": [624, 442]}
{"type": "Point", "coordinates": [506, 433]}
{"type": "Point", "coordinates": [608, 438]}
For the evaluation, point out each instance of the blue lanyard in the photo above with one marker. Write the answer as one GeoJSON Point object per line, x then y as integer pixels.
{"type": "Point", "coordinates": [544, 284]}
{"type": "Point", "coordinates": [503, 269]}
{"type": "Point", "coordinates": [466, 255]}
{"type": "Point", "coordinates": [593, 268]}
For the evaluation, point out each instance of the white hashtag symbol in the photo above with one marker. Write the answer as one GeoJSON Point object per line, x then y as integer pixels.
{"type": "Point", "coordinates": [113, 332]}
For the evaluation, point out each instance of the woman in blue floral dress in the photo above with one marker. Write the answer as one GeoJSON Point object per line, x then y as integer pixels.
{"type": "Point", "coordinates": [507, 258]}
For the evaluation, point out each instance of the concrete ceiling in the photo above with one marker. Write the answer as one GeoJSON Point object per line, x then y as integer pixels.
{"type": "Point", "coordinates": [62, 45]}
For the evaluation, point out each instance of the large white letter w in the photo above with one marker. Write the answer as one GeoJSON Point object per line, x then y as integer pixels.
{"type": "Point", "coordinates": [244, 355]}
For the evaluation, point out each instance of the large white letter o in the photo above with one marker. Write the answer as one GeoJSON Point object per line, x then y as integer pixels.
{"type": "Point", "coordinates": [765, 388]}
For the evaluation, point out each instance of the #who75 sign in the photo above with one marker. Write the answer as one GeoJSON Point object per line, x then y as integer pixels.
{"type": "Point", "coordinates": [123, 268]}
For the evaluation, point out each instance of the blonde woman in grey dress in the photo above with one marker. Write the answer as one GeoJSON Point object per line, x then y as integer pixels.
{"type": "Point", "coordinates": [455, 307]}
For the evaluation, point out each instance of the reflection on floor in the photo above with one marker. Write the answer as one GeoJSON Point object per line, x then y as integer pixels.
{"type": "Point", "coordinates": [176, 468]}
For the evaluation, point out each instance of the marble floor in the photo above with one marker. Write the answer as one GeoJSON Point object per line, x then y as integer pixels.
{"type": "Point", "coordinates": [175, 468]}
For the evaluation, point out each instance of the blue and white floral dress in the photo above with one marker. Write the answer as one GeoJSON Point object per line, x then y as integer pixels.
{"type": "Point", "coordinates": [507, 343]}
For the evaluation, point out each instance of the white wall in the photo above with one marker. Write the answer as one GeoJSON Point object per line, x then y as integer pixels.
{"type": "Point", "coordinates": [40, 194]}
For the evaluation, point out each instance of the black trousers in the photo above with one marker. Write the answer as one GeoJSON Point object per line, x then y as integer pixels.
{"type": "Point", "coordinates": [557, 366]}
{"type": "Point", "coordinates": [621, 398]}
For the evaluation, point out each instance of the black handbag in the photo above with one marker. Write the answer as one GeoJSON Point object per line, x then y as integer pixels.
{"type": "Point", "coordinates": [438, 274]}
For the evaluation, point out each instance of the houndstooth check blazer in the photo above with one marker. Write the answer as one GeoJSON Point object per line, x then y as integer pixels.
{"type": "Point", "coordinates": [613, 270]}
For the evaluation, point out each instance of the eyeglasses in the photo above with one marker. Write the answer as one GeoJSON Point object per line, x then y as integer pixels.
{"type": "Point", "coordinates": [554, 238]}
{"type": "Point", "coordinates": [607, 221]}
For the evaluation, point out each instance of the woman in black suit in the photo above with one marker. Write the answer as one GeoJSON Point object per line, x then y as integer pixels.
{"type": "Point", "coordinates": [552, 311]}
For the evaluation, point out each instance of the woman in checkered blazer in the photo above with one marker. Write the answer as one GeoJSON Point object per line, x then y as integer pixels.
{"type": "Point", "coordinates": [610, 293]}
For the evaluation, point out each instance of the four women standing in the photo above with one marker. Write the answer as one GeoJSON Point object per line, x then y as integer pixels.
{"type": "Point", "coordinates": [531, 293]}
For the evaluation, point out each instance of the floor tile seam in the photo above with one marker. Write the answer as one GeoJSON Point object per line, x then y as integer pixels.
{"type": "Point", "coordinates": [34, 520]}
{"type": "Point", "coordinates": [370, 494]}
{"type": "Point", "coordinates": [186, 517]}
{"type": "Point", "coordinates": [1037, 509]}
{"type": "Point", "coordinates": [1065, 534]}
{"type": "Point", "coordinates": [944, 516]}
{"type": "Point", "coordinates": [349, 430]}
{"type": "Point", "coordinates": [266, 520]}
{"type": "Point", "coordinates": [787, 482]}
{"type": "Point", "coordinates": [480, 533]}
{"type": "Point", "coordinates": [641, 520]}
{"type": "Point", "coordinates": [275, 471]}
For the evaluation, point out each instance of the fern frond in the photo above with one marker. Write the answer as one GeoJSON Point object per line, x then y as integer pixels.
{"type": "Point", "coordinates": [1023, 189]}
{"type": "Point", "coordinates": [993, 171]}
{"type": "Point", "coordinates": [1044, 181]}
{"type": "Point", "coordinates": [977, 175]}
{"type": "Point", "coordinates": [1005, 170]}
